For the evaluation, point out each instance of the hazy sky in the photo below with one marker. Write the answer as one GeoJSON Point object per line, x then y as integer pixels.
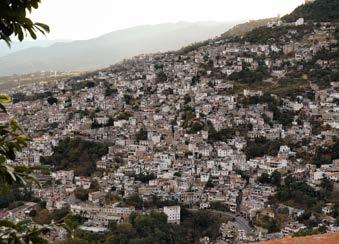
{"type": "Point", "coordinates": [83, 19]}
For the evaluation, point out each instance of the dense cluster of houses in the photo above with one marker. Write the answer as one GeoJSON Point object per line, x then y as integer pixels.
{"type": "Point", "coordinates": [158, 111]}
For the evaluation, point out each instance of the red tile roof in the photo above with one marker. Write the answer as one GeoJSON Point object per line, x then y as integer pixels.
{"type": "Point", "coordinates": [328, 238]}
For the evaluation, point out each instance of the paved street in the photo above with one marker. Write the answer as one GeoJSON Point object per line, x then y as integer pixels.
{"type": "Point", "coordinates": [243, 223]}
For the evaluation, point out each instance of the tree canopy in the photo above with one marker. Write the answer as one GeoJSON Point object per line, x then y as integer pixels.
{"type": "Point", "coordinates": [13, 140]}
{"type": "Point", "coordinates": [14, 20]}
{"type": "Point", "coordinates": [77, 154]}
{"type": "Point", "coordinates": [319, 10]}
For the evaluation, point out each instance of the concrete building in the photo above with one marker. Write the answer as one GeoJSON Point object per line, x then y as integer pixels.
{"type": "Point", "coordinates": [173, 214]}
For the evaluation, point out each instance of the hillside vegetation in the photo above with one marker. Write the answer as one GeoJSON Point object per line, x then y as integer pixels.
{"type": "Point", "coordinates": [242, 29]}
{"type": "Point", "coordinates": [77, 154]}
{"type": "Point", "coordinates": [236, 31]}
{"type": "Point", "coordinates": [319, 10]}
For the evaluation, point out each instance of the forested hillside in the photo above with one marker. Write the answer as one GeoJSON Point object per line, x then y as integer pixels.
{"type": "Point", "coordinates": [319, 10]}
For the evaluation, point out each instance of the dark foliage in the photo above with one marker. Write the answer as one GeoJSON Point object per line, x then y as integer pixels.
{"type": "Point", "coordinates": [123, 115]}
{"type": "Point", "coordinates": [167, 92]}
{"type": "Point", "coordinates": [273, 179]}
{"type": "Point", "coordinates": [221, 135]}
{"type": "Point", "coordinates": [110, 91]}
{"type": "Point", "coordinates": [128, 98]}
{"type": "Point", "coordinates": [265, 98]}
{"type": "Point", "coordinates": [308, 232]}
{"type": "Point", "coordinates": [20, 97]}
{"type": "Point", "coordinates": [297, 193]}
{"type": "Point", "coordinates": [77, 154]}
{"type": "Point", "coordinates": [145, 177]}
{"type": "Point", "coordinates": [325, 155]}
{"type": "Point", "coordinates": [196, 127]}
{"type": "Point", "coordinates": [14, 20]}
{"type": "Point", "coordinates": [195, 80]}
{"type": "Point", "coordinates": [134, 200]}
{"type": "Point", "coordinates": [153, 228]}
{"type": "Point", "coordinates": [52, 100]}
{"type": "Point", "coordinates": [16, 194]}
{"type": "Point", "coordinates": [192, 47]}
{"type": "Point", "coordinates": [84, 84]}
{"type": "Point", "coordinates": [220, 206]}
{"type": "Point", "coordinates": [248, 76]}
{"type": "Point", "coordinates": [141, 135]}
{"type": "Point", "coordinates": [262, 146]}
{"type": "Point", "coordinates": [81, 194]}
{"type": "Point", "coordinates": [187, 99]}
{"type": "Point", "coordinates": [96, 125]}
{"type": "Point", "coordinates": [157, 202]}
{"type": "Point", "coordinates": [161, 77]}
{"type": "Point", "coordinates": [209, 184]}
{"type": "Point", "coordinates": [244, 174]}
{"type": "Point", "coordinates": [284, 117]}
{"type": "Point", "coordinates": [319, 10]}
{"type": "Point", "coordinates": [267, 222]}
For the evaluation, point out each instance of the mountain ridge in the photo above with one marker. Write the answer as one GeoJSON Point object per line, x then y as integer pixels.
{"type": "Point", "coordinates": [109, 48]}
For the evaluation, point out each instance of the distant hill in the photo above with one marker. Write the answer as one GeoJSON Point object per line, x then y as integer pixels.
{"type": "Point", "coordinates": [18, 46]}
{"type": "Point", "coordinates": [242, 29]}
{"type": "Point", "coordinates": [236, 31]}
{"type": "Point", "coordinates": [319, 10]}
{"type": "Point", "coordinates": [110, 48]}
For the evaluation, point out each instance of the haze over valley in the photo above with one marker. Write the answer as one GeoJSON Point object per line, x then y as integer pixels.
{"type": "Point", "coordinates": [108, 49]}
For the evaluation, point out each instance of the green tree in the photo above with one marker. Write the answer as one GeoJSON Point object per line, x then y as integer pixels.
{"type": "Point", "coordinates": [14, 20]}
{"type": "Point", "coordinates": [135, 200]}
{"type": "Point", "coordinates": [77, 154]}
{"type": "Point", "coordinates": [52, 100]}
{"type": "Point", "coordinates": [319, 10]}
{"type": "Point", "coordinates": [70, 224]}
{"type": "Point", "coordinates": [141, 135]}
{"type": "Point", "coordinates": [81, 194]}
{"type": "Point", "coordinates": [209, 184]}
{"type": "Point", "coordinates": [95, 186]}
{"type": "Point", "coordinates": [262, 146]}
{"type": "Point", "coordinates": [273, 179]}
{"type": "Point", "coordinates": [21, 232]}
{"type": "Point", "coordinates": [327, 187]}
{"type": "Point", "coordinates": [307, 232]}
{"type": "Point", "coordinates": [276, 178]}
{"type": "Point", "coordinates": [264, 178]}
{"type": "Point", "coordinates": [12, 140]}
{"type": "Point", "coordinates": [112, 225]}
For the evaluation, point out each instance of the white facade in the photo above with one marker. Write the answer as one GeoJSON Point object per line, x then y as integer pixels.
{"type": "Point", "coordinates": [204, 177]}
{"type": "Point", "coordinates": [299, 21]}
{"type": "Point", "coordinates": [173, 214]}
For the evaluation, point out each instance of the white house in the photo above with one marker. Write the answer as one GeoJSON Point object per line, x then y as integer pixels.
{"type": "Point", "coordinates": [204, 177]}
{"type": "Point", "coordinates": [173, 214]}
{"type": "Point", "coordinates": [299, 22]}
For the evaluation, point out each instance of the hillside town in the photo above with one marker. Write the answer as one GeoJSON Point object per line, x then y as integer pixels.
{"type": "Point", "coordinates": [246, 128]}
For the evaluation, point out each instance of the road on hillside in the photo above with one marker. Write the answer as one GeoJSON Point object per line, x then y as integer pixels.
{"type": "Point", "coordinates": [242, 222]}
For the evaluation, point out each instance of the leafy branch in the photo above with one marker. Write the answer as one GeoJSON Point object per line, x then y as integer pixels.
{"type": "Point", "coordinates": [14, 20]}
